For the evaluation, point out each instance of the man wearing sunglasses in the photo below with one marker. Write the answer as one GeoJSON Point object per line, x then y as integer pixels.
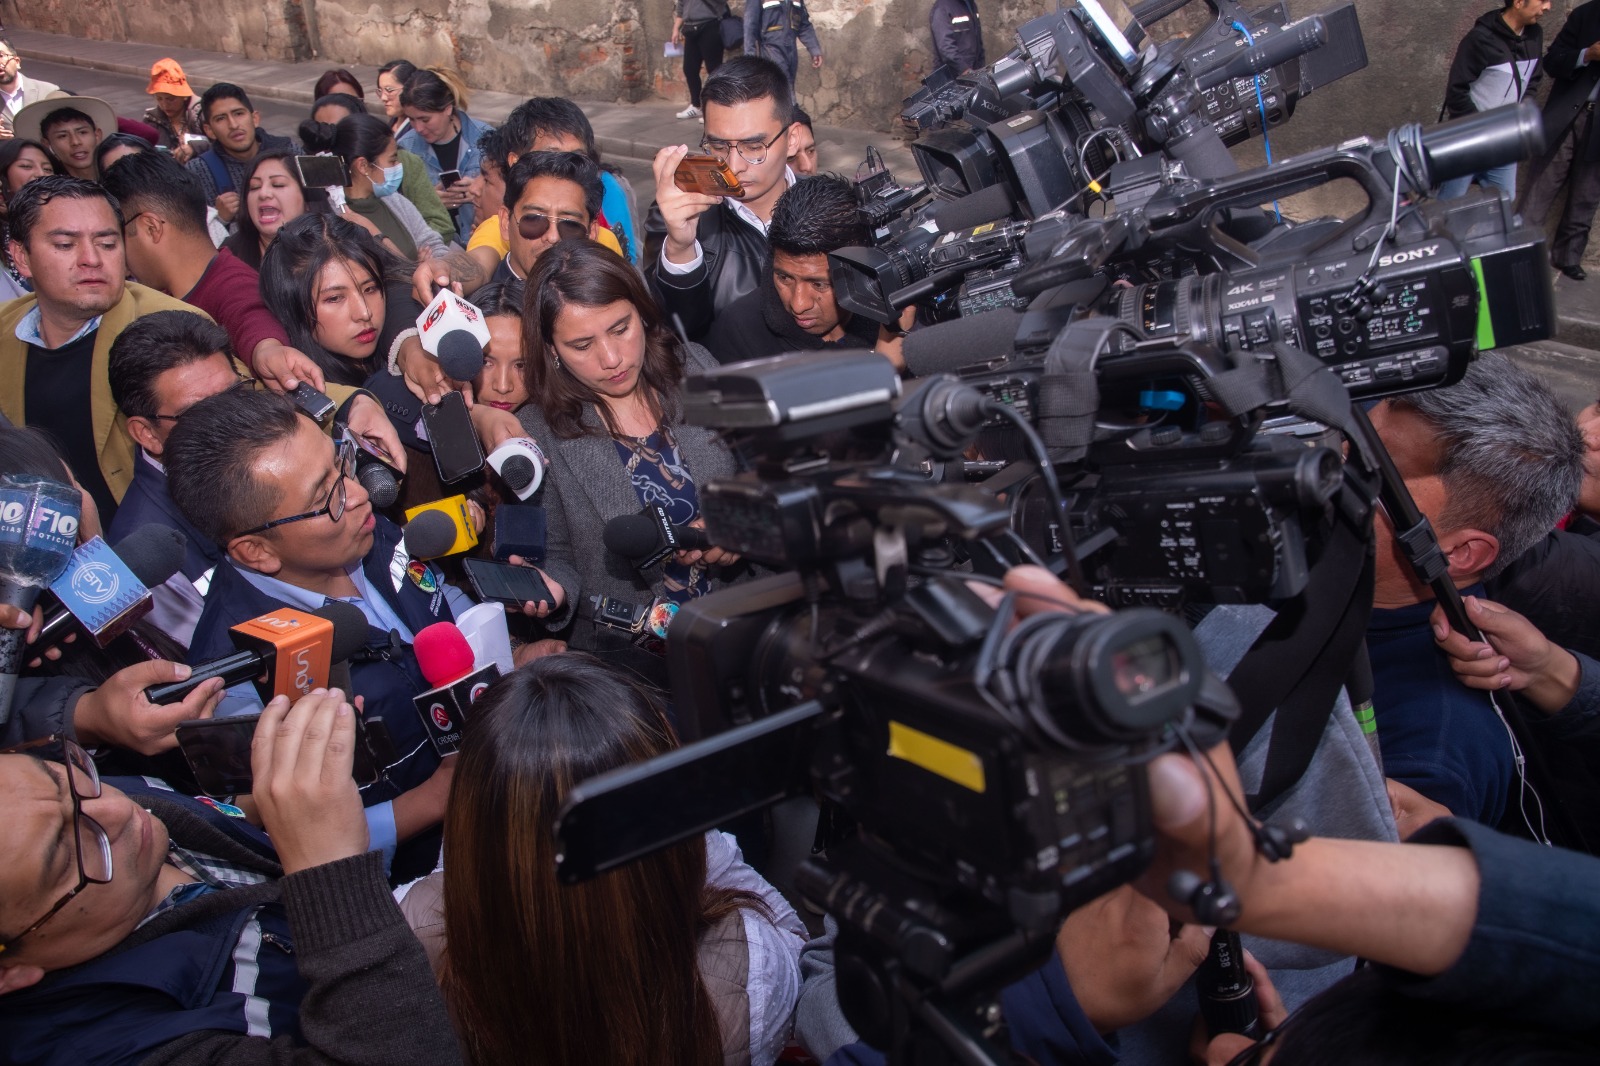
{"type": "Point", "coordinates": [139, 925]}
{"type": "Point", "coordinates": [550, 197]}
{"type": "Point", "coordinates": [704, 252]}
{"type": "Point", "coordinates": [297, 530]}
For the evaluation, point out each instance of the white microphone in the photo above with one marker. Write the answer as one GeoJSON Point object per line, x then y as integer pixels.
{"type": "Point", "coordinates": [453, 331]}
{"type": "Point", "coordinates": [520, 464]}
{"type": "Point", "coordinates": [484, 626]}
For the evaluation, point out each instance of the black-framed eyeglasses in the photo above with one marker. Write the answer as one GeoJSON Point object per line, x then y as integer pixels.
{"type": "Point", "coordinates": [753, 152]}
{"type": "Point", "coordinates": [533, 226]}
{"type": "Point", "coordinates": [344, 452]}
{"type": "Point", "coordinates": [92, 843]}
{"type": "Point", "coordinates": [238, 383]}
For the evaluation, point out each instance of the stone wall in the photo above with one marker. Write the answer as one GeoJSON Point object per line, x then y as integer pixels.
{"type": "Point", "coordinates": [877, 50]}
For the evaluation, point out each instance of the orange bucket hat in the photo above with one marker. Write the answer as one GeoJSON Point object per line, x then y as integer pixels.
{"type": "Point", "coordinates": [166, 76]}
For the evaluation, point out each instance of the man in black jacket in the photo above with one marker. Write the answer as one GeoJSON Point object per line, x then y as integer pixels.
{"type": "Point", "coordinates": [793, 309]}
{"type": "Point", "coordinates": [704, 252]}
{"type": "Point", "coordinates": [1572, 138]}
{"type": "Point", "coordinates": [139, 926]}
{"type": "Point", "coordinates": [1496, 63]}
{"type": "Point", "coordinates": [957, 35]}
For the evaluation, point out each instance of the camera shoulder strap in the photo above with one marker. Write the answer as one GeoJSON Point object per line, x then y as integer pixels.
{"type": "Point", "coordinates": [1298, 664]}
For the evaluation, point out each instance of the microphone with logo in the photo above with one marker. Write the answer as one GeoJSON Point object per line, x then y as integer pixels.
{"type": "Point", "coordinates": [38, 531]}
{"type": "Point", "coordinates": [284, 652]}
{"type": "Point", "coordinates": [453, 331]}
{"type": "Point", "coordinates": [104, 590]}
{"type": "Point", "coordinates": [447, 661]}
{"type": "Point", "coordinates": [646, 538]}
{"type": "Point", "coordinates": [443, 527]}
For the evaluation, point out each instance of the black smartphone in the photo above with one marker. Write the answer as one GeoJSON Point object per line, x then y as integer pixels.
{"type": "Point", "coordinates": [321, 171]}
{"type": "Point", "coordinates": [504, 583]}
{"type": "Point", "coordinates": [314, 403]}
{"type": "Point", "coordinates": [457, 451]}
{"type": "Point", "coordinates": [218, 751]}
{"type": "Point", "coordinates": [449, 178]}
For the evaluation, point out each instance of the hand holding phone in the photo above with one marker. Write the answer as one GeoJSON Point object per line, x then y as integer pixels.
{"type": "Point", "coordinates": [706, 175]}
{"type": "Point", "coordinates": [507, 584]}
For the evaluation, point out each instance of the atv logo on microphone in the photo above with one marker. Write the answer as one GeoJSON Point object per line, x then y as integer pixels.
{"type": "Point", "coordinates": [1409, 256]}
{"type": "Point", "coordinates": [441, 717]}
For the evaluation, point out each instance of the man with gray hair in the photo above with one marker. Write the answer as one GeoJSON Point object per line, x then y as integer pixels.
{"type": "Point", "coordinates": [1494, 462]}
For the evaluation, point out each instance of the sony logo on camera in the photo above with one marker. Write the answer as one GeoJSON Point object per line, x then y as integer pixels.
{"type": "Point", "coordinates": [1410, 255]}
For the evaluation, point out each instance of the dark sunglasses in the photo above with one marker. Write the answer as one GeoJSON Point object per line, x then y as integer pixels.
{"type": "Point", "coordinates": [533, 226]}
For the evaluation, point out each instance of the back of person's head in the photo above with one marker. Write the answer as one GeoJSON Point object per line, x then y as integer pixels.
{"type": "Point", "coordinates": [290, 270]}
{"type": "Point", "coordinates": [116, 141]}
{"type": "Point", "coordinates": [588, 274]}
{"type": "Point", "coordinates": [746, 78]}
{"type": "Point", "coordinates": [817, 214]}
{"type": "Point", "coordinates": [211, 454]}
{"type": "Point", "coordinates": [434, 89]}
{"type": "Point", "coordinates": [603, 971]}
{"type": "Point", "coordinates": [1365, 1019]}
{"type": "Point", "coordinates": [155, 182]}
{"type": "Point", "coordinates": [566, 166]}
{"type": "Point", "coordinates": [1511, 458]}
{"type": "Point", "coordinates": [344, 102]}
{"type": "Point", "coordinates": [332, 79]}
{"type": "Point", "coordinates": [492, 149]}
{"type": "Point", "coordinates": [547, 116]}
{"type": "Point", "coordinates": [500, 298]}
{"type": "Point", "coordinates": [798, 114]}
{"type": "Point", "coordinates": [361, 136]}
{"type": "Point", "coordinates": [24, 208]}
{"type": "Point", "coordinates": [153, 344]}
{"type": "Point", "coordinates": [222, 90]}
{"type": "Point", "coordinates": [29, 452]}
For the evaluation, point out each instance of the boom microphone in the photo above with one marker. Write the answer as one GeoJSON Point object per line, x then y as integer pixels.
{"type": "Point", "coordinates": [284, 652]}
{"type": "Point", "coordinates": [1482, 140]}
{"type": "Point", "coordinates": [648, 537]}
{"type": "Point", "coordinates": [108, 603]}
{"type": "Point", "coordinates": [1295, 39]}
{"type": "Point", "coordinates": [989, 204]}
{"type": "Point", "coordinates": [961, 342]}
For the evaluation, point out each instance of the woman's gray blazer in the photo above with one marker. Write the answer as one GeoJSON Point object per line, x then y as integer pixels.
{"type": "Point", "coordinates": [585, 486]}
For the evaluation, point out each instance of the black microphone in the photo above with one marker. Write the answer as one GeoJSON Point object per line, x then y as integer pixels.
{"type": "Point", "coordinates": [1484, 139]}
{"type": "Point", "coordinates": [1227, 994]}
{"type": "Point", "coordinates": [460, 355]}
{"type": "Point", "coordinates": [961, 342]}
{"type": "Point", "coordinates": [154, 553]}
{"type": "Point", "coordinates": [381, 481]}
{"type": "Point", "coordinates": [1295, 39]}
{"type": "Point", "coordinates": [284, 652]}
{"type": "Point", "coordinates": [648, 537]}
{"type": "Point", "coordinates": [989, 204]}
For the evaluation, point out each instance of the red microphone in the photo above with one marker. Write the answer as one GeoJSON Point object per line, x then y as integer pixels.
{"type": "Point", "coordinates": [446, 661]}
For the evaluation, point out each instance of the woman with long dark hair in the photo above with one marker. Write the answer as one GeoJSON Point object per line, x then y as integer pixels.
{"type": "Point", "coordinates": [21, 160]}
{"type": "Point", "coordinates": [445, 136]}
{"type": "Point", "coordinates": [342, 299]}
{"type": "Point", "coordinates": [684, 957]}
{"type": "Point", "coordinates": [603, 372]}
{"type": "Point", "coordinates": [273, 198]}
{"type": "Point", "coordinates": [373, 199]}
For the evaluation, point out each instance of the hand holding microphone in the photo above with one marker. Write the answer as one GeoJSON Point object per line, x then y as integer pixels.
{"type": "Point", "coordinates": [453, 331]}
{"type": "Point", "coordinates": [283, 652]}
{"type": "Point", "coordinates": [458, 679]}
{"type": "Point", "coordinates": [648, 537]}
{"type": "Point", "coordinates": [120, 713]}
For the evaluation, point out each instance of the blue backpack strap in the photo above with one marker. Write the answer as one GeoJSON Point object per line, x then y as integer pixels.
{"type": "Point", "coordinates": [219, 170]}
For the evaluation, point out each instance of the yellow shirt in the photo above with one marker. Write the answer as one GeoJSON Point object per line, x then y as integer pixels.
{"type": "Point", "coordinates": [490, 234]}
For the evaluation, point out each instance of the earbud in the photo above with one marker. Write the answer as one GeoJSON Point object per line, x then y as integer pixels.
{"type": "Point", "coordinates": [1276, 842]}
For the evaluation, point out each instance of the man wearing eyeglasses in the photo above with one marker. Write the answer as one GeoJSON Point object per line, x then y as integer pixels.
{"type": "Point", "coordinates": [704, 252]}
{"type": "Point", "coordinates": [259, 480]}
{"type": "Point", "coordinates": [550, 197]}
{"type": "Point", "coordinates": [141, 926]}
{"type": "Point", "coordinates": [17, 91]}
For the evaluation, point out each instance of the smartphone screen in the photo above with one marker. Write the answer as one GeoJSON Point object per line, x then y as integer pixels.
{"type": "Point", "coordinates": [449, 178]}
{"type": "Point", "coordinates": [457, 452]}
{"type": "Point", "coordinates": [504, 583]}
{"type": "Point", "coordinates": [321, 171]}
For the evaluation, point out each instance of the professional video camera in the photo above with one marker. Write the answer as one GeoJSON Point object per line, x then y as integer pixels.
{"type": "Point", "coordinates": [993, 773]}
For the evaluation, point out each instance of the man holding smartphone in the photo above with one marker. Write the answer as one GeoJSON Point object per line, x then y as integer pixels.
{"type": "Point", "coordinates": [704, 252]}
{"type": "Point", "coordinates": [179, 933]}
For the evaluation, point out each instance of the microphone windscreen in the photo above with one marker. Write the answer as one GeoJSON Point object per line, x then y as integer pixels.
{"type": "Point", "coordinates": [518, 472]}
{"type": "Point", "coordinates": [988, 204]}
{"type": "Point", "coordinates": [443, 653]}
{"type": "Point", "coordinates": [349, 629]}
{"type": "Point", "coordinates": [154, 553]}
{"type": "Point", "coordinates": [429, 535]}
{"type": "Point", "coordinates": [379, 481]}
{"type": "Point", "coordinates": [631, 536]}
{"type": "Point", "coordinates": [460, 355]}
{"type": "Point", "coordinates": [961, 342]}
